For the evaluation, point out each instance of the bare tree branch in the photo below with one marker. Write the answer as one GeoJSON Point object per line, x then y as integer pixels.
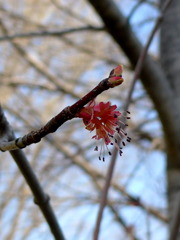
{"type": "Point", "coordinates": [138, 70]}
{"type": "Point", "coordinates": [50, 33]}
{"type": "Point", "coordinates": [97, 175]}
{"type": "Point", "coordinates": [65, 115]}
{"type": "Point", "coordinates": [152, 75]}
{"type": "Point", "coordinates": [175, 225]}
{"type": "Point", "coordinates": [41, 199]}
{"type": "Point", "coordinates": [40, 67]}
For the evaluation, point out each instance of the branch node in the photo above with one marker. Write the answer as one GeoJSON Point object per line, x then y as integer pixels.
{"type": "Point", "coordinates": [19, 145]}
{"type": "Point", "coordinates": [45, 200]}
{"type": "Point", "coordinates": [2, 150]}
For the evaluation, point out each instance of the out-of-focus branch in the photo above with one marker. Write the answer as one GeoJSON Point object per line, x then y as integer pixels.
{"type": "Point", "coordinates": [138, 69]}
{"type": "Point", "coordinates": [116, 214]}
{"type": "Point", "coordinates": [133, 10]}
{"type": "Point", "coordinates": [40, 198]}
{"type": "Point", "coordinates": [50, 33]}
{"type": "Point", "coordinates": [142, 56]}
{"type": "Point", "coordinates": [98, 176]}
{"type": "Point", "coordinates": [128, 229]}
{"type": "Point", "coordinates": [69, 11]}
{"type": "Point", "coordinates": [39, 66]}
{"type": "Point", "coordinates": [176, 221]}
{"type": "Point", "coordinates": [152, 75]}
{"type": "Point", "coordinates": [104, 195]}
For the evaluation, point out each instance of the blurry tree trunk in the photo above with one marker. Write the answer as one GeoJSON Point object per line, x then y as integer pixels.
{"type": "Point", "coordinates": [170, 59]}
{"type": "Point", "coordinates": [161, 83]}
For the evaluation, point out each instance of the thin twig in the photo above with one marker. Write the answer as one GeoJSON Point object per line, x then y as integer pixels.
{"type": "Point", "coordinates": [38, 65]}
{"type": "Point", "coordinates": [127, 103]}
{"type": "Point", "coordinates": [50, 33]}
{"type": "Point", "coordinates": [143, 54]}
{"type": "Point", "coordinates": [104, 196]}
{"type": "Point", "coordinates": [133, 10]}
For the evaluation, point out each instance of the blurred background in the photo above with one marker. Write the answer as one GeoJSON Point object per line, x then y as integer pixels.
{"type": "Point", "coordinates": [52, 52]}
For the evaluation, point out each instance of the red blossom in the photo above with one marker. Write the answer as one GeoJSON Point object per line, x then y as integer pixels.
{"type": "Point", "coordinates": [103, 118]}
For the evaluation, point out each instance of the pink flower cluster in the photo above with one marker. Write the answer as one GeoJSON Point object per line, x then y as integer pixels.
{"type": "Point", "coordinates": [104, 119]}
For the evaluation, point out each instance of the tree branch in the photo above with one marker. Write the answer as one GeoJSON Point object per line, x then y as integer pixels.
{"type": "Point", "coordinates": [39, 66]}
{"type": "Point", "coordinates": [50, 33]}
{"type": "Point", "coordinates": [152, 75]}
{"type": "Point", "coordinates": [65, 115]}
{"type": "Point", "coordinates": [40, 198]}
{"type": "Point", "coordinates": [175, 225]}
{"type": "Point", "coordinates": [138, 68]}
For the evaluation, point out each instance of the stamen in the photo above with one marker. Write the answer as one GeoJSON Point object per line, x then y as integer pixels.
{"type": "Point", "coordinates": [106, 140]}
{"type": "Point", "coordinates": [108, 123]}
{"type": "Point", "coordinates": [96, 148]}
{"type": "Point", "coordinates": [118, 130]}
{"type": "Point", "coordinates": [110, 135]}
{"type": "Point", "coordinates": [120, 152]}
{"type": "Point", "coordinates": [122, 123]}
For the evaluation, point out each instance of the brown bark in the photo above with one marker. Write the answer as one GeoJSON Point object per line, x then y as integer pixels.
{"type": "Point", "coordinates": [170, 60]}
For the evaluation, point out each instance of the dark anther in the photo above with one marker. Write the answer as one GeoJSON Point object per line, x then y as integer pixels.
{"type": "Point", "coordinates": [99, 158]}
{"type": "Point", "coordinates": [128, 112]}
{"type": "Point", "coordinates": [118, 130]}
{"type": "Point", "coordinates": [96, 148]}
{"type": "Point", "coordinates": [120, 152]}
{"type": "Point", "coordinates": [103, 159]}
{"type": "Point", "coordinates": [110, 135]}
{"type": "Point", "coordinates": [123, 143]}
{"type": "Point", "coordinates": [110, 153]}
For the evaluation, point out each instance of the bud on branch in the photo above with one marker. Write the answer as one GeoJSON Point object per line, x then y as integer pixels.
{"type": "Point", "coordinates": [114, 79]}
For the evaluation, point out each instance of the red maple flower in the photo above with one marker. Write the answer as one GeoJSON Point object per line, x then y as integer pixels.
{"type": "Point", "coordinates": [104, 119]}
